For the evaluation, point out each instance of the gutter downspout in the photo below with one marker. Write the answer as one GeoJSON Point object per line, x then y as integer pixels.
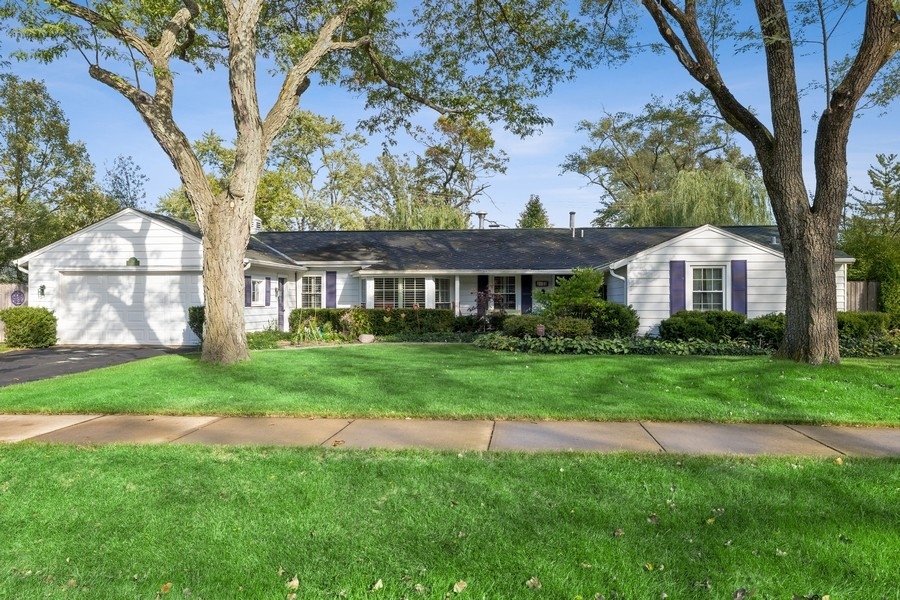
{"type": "Point", "coordinates": [623, 280]}
{"type": "Point", "coordinates": [21, 268]}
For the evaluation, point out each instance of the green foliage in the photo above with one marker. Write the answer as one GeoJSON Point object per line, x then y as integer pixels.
{"type": "Point", "coordinates": [767, 330]}
{"type": "Point", "coordinates": [267, 339]}
{"type": "Point", "coordinates": [533, 216]}
{"type": "Point", "coordinates": [196, 320]}
{"type": "Point", "coordinates": [594, 345]}
{"type": "Point", "coordinates": [570, 327]}
{"type": "Point", "coordinates": [610, 320]}
{"type": "Point", "coordinates": [709, 325]}
{"type": "Point", "coordinates": [522, 325]}
{"type": "Point", "coordinates": [47, 188]}
{"type": "Point", "coordinates": [671, 165]}
{"type": "Point", "coordinates": [380, 322]}
{"type": "Point", "coordinates": [29, 327]}
{"type": "Point", "coordinates": [575, 296]}
{"type": "Point", "coordinates": [862, 325]}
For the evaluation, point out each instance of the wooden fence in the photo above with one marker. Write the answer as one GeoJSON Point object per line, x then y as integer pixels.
{"type": "Point", "coordinates": [862, 295]}
{"type": "Point", "coordinates": [7, 291]}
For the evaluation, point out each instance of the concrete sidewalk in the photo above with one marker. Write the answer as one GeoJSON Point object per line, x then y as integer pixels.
{"type": "Point", "coordinates": [527, 436]}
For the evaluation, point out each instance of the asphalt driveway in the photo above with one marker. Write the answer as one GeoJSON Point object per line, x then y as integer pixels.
{"type": "Point", "coordinates": [43, 363]}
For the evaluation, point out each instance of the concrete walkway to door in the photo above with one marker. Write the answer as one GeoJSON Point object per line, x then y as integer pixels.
{"type": "Point", "coordinates": [481, 435]}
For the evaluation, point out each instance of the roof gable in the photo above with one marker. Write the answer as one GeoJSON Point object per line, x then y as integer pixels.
{"type": "Point", "coordinates": [102, 223]}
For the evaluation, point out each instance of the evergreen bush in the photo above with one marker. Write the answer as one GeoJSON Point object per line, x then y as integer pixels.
{"type": "Point", "coordinates": [29, 327]}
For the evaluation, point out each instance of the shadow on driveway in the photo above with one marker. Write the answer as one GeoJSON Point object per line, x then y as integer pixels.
{"type": "Point", "coordinates": [20, 366]}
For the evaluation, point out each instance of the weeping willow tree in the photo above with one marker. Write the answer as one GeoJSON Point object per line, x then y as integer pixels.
{"type": "Point", "coordinates": [723, 196]}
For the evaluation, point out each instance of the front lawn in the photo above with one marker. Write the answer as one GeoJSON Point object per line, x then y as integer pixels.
{"type": "Point", "coordinates": [462, 382]}
{"type": "Point", "coordinates": [116, 522]}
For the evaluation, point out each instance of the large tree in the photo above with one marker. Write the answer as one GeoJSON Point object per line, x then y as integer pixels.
{"type": "Point", "coordinates": [456, 58]}
{"type": "Point", "coordinates": [672, 164]}
{"type": "Point", "coordinates": [47, 187]}
{"type": "Point", "coordinates": [700, 34]}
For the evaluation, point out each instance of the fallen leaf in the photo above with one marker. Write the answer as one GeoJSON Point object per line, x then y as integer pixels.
{"type": "Point", "coordinates": [839, 461]}
{"type": "Point", "coordinates": [420, 588]}
{"type": "Point", "coordinates": [739, 594]}
{"type": "Point", "coordinates": [166, 588]}
{"type": "Point", "coordinates": [293, 584]}
{"type": "Point", "coordinates": [710, 520]}
{"type": "Point", "coordinates": [280, 571]}
{"type": "Point", "coordinates": [845, 539]}
{"type": "Point", "coordinates": [648, 566]}
{"type": "Point", "coordinates": [534, 583]}
{"type": "Point", "coordinates": [377, 585]}
{"type": "Point", "coordinates": [72, 583]}
{"type": "Point", "coordinates": [338, 443]}
{"type": "Point", "coordinates": [779, 552]}
{"type": "Point", "coordinates": [618, 533]}
{"type": "Point", "coordinates": [459, 586]}
{"type": "Point", "coordinates": [653, 518]}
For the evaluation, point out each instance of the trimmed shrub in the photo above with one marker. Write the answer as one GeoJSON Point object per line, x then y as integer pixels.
{"type": "Point", "coordinates": [707, 325]}
{"type": "Point", "coordinates": [379, 321]}
{"type": "Point", "coordinates": [569, 327]}
{"type": "Point", "coordinates": [522, 325]}
{"type": "Point", "coordinates": [29, 327]}
{"type": "Point", "coordinates": [862, 325]}
{"type": "Point", "coordinates": [611, 320]}
{"type": "Point", "coordinates": [686, 325]}
{"type": "Point", "coordinates": [196, 320]}
{"type": "Point", "coordinates": [767, 330]}
{"type": "Point", "coordinates": [266, 339]}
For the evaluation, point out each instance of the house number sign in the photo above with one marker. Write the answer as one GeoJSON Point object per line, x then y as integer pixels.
{"type": "Point", "coordinates": [17, 297]}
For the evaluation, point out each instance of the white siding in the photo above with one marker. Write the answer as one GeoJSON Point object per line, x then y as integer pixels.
{"type": "Point", "coordinates": [615, 288]}
{"type": "Point", "coordinates": [648, 275]}
{"type": "Point", "coordinates": [840, 275]}
{"type": "Point", "coordinates": [98, 299]}
{"type": "Point", "coordinates": [261, 317]}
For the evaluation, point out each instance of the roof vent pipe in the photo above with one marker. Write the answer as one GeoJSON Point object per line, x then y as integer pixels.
{"type": "Point", "coordinates": [572, 222]}
{"type": "Point", "coordinates": [481, 215]}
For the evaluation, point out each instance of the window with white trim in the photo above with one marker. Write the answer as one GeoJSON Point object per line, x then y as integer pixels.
{"type": "Point", "coordinates": [256, 292]}
{"type": "Point", "coordinates": [399, 292]}
{"type": "Point", "coordinates": [708, 291]}
{"type": "Point", "coordinates": [505, 292]}
{"type": "Point", "coordinates": [311, 291]}
{"type": "Point", "coordinates": [442, 298]}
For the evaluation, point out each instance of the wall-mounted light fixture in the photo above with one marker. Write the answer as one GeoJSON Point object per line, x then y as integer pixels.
{"type": "Point", "coordinates": [132, 262]}
{"type": "Point", "coordinates": [42, 289]}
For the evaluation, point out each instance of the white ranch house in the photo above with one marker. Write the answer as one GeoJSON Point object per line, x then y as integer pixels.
{"type": "Point", "coordinates": [130, 278]}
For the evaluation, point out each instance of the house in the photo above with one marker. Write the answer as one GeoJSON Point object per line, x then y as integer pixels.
{"type": "Point", "coordinates": [130, 278]}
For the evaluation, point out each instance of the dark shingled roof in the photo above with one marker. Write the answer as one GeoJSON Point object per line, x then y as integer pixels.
{"type": "Point", "coordinates": [256, 249]}
{"type": "Point", "coordinates": [469, 249]}
{"type": "Point", "coordinates": [484, 249]}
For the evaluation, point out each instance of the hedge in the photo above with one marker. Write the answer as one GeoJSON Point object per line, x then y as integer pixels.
{"type": "Point", "coordinates": [29, 327]}
{"type": "Point", "coordinates": [382, 322]}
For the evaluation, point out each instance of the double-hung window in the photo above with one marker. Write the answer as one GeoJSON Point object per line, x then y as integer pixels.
{"type": "Point", "coordinates": [311, 291]}
{"type": "Point", "coordinates": [504, 293]}
{"type": "Point", "coordinates": [442, 297]}
{"type": "Point", "coordinates": [256, 292]}
{"type": "Point", "coordinates": [708, 288]}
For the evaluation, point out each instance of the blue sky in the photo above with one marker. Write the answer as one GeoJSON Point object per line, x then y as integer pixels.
{"type": "Point", "coordinates": [109, 126]}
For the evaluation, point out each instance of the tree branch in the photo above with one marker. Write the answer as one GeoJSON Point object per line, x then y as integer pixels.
{"type": "Point", "coordinates": [114, 29]}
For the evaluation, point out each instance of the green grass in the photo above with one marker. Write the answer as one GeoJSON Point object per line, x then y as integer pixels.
{"type": "Point", "coordinates": [462, 382]}
{"type": "Point", "coordinates": [123, 521]}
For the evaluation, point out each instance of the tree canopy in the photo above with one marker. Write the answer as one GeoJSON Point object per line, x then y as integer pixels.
{"type": "Point", "coordinates": [47, 187]}
{"type": "Point", "coordinates": [673, 164]}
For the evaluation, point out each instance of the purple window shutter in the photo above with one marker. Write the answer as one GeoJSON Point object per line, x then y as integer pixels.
{"type": "Point", "coordinates": [739, 286]}
{"type": "Point", "coordinates": [526, 294]}
{"type": "Point", "coordinates": [676, 286]}
{"type": "Point", "coordinates": [330, 289]}
{"type": "Point", "coordinates": [268, 291]}
{"type": "Point", "coordinates": [248, 291]}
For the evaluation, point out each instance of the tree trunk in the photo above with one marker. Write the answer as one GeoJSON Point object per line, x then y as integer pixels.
{"type": "Point", "coordinates": [810, 333]}
{"type": "Point", "coordinates": [225, 237]}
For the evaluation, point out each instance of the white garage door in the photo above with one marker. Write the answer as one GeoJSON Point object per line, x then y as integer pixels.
{"type": "Point", "coordinates": [127, 308]}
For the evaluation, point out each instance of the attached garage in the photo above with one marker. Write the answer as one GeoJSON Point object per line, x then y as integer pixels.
{"type": "Point", "coordinates": [127, 308]}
